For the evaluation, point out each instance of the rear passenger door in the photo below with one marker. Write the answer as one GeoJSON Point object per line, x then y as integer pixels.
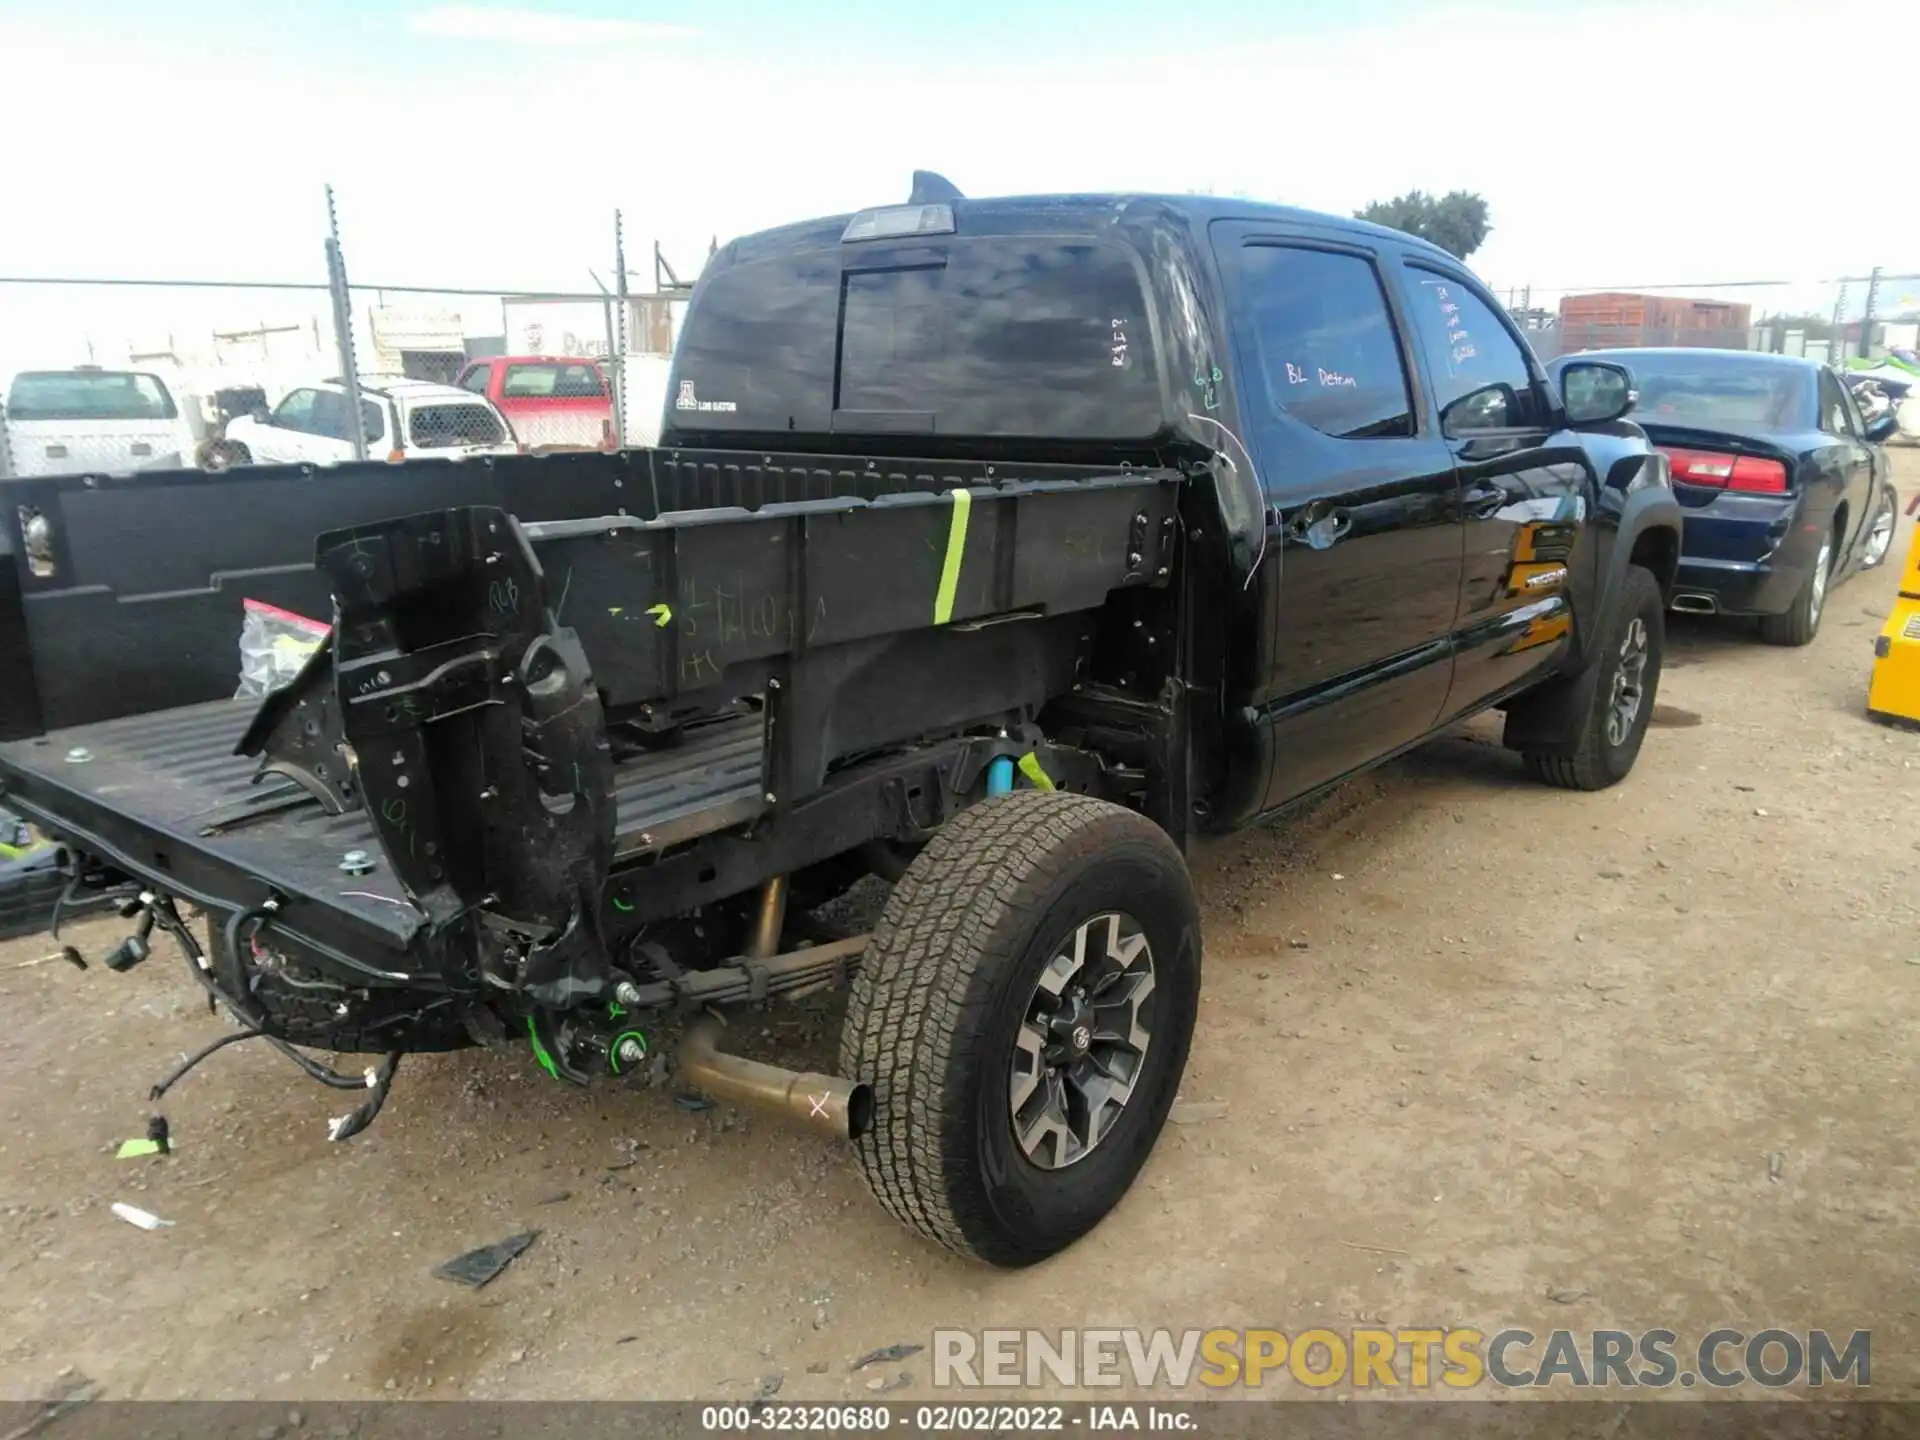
{"type": "Point", "coordinates": [1526, 483]}
{"type": "Point", "coordinates": [1363, 533]}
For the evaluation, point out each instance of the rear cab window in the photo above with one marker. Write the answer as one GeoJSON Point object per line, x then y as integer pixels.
{"type": "Point", "coordinates": [553, 381]}
{"type": "Point", "coordinates": [976, 335]}
{"type": "Point", "coordinates": [89, 395]}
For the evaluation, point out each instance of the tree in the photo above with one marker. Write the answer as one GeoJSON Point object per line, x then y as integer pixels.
{"type": "Point", "coordinates": [1456, 221]}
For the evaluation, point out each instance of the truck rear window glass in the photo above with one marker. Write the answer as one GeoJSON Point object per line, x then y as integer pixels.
{"type": "Point", "coordinates": [990, 336]}
{"type": "Point", "coordinates": [552, 382]}
{"type": "Point", "coordinates": [1681, 391]}
{"type": "Point", "coordinates": [443, 427]}
{"type": "Point", "coordinates": [1324, 342]}
{"type": "Point", "coordinates": [88, 395]}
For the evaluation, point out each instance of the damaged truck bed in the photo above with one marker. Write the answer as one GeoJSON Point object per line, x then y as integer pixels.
{"type": "Point", "coordinates": [993, 548]}
{"type": "Point", "coordinates": [494, 778]}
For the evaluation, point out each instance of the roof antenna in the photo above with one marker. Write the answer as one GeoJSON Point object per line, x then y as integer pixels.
{"type": "Point", "coordinates": [933, 188]}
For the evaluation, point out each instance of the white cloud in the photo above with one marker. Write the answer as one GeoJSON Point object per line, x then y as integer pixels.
{"type": "Point", "coordinates": [529, 27]}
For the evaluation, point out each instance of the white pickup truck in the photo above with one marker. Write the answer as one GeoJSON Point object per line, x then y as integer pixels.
{"type": "Point", "coordinates": [90, 420]}
{"type": "Point", "coordinates": [402, 419]}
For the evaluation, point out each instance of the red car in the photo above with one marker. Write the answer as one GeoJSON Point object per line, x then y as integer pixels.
{"type": "Point", "coordinates": [553, 402]}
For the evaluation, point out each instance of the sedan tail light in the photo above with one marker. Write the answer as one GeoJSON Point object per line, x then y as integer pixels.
{"type": "Point", "coordinates": [1716, 470]}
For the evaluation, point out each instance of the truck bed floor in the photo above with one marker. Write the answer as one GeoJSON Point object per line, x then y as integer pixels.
{"type": "Point", "coordinates": [168, 790]}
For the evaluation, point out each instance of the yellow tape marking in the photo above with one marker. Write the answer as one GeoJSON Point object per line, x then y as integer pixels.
{"type": "Point", "coordinates": [956, 550]}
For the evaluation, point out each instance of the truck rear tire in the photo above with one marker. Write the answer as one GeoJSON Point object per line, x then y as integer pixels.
{"type": "Point", "coordinates": [1614, 722]}
{"type": "Point", "coordinates": [1023, 1015]}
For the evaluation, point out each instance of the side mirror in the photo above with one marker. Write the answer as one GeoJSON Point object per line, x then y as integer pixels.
{"type": "Point", "coordinates": [1884, 428]}
{"type": "Point", "coordinates": [261, 415]}
{"type": "Point", "coordinates": [1594, 392]}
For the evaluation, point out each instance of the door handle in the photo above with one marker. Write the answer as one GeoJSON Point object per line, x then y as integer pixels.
{"type": "Point", "coordinates": [1318, 531]}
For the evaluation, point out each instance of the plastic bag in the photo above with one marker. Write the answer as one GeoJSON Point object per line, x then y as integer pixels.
{"type": "Point", "coordinates": [274, 644]}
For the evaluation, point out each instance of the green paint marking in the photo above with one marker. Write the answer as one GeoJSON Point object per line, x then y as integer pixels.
{"type": "Point", "coordinates": [540, 1051]}
{"type": "Point", "coordinates": [1029, 766]}
{"type": "Point", "coordinates": [661, 614]}
{"type": "Point", "coordinates": [615, 1010]}
{"type": "Point", "coordinates": [624, 907]}
{"type": "Point", "coordinates": [134, 1149]}
{"type": "Point", "coordinates": [613, 1050]}
{"type": "Point", "coordinates": [956, 551]}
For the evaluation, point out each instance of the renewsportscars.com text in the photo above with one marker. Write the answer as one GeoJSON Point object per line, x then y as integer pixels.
{"type": "Point", "coordinates": [1407, 1358]}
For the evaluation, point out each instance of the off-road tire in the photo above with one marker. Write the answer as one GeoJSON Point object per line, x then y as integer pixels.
{"type": "Point", "coordinates": [1800, 621]}
{"type": "Point", "coordinates": [1597, 761]}
{"type": "Point", "coordinates": [943, 990]}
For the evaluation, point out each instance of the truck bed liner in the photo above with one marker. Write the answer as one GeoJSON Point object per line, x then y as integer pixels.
{"type": "Point", "coordinates": [168, 791]}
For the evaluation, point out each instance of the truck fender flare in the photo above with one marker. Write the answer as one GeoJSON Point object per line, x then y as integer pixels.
{"type": "Point", "coordinates": [1548, 719]}
{"type": "Point", "coordinates": [1646, 510]}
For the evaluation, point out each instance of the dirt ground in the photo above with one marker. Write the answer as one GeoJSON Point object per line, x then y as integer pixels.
{"type": "Point", "coordinates": [1478, 1041]}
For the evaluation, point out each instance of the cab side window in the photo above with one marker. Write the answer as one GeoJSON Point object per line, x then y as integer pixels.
{"type": "Point", "coordinates": [296, 412]}
{"type": "Point", "coordinates": [1835, 413]}
{"type": "Point", "coordinates": [329, 415]}
{"type": "Point", "coordinates": [1481, 377]}
{"type": "Point", "coordinates": [1327, 350]}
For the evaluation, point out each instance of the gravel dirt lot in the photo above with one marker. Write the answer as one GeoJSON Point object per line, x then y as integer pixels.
{"type": "Point", "coordinates": [1478, 1041]}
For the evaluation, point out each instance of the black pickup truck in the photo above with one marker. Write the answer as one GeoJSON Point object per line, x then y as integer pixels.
{"type": "Point", "coordinates": [997, 547]}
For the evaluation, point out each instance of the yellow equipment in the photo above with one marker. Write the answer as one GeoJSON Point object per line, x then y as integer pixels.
{"type": "Point", "coordinates": [1894, 695]}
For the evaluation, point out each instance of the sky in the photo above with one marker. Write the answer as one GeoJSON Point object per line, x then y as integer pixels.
{"type": "Point", "coordinates": [488, 145]}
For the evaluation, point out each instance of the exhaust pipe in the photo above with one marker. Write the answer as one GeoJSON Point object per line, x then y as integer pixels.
{"type": "Point", "coordinates": [825, 1104]}
{"type": "Point", "coordinates": [1696, 604]}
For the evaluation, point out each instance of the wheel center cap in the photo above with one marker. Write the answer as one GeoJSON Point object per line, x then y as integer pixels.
{"type": "Point", "coordinates": [1073, 1026]}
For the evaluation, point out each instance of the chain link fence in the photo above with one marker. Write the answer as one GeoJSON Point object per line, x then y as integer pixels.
{"type": "Point", "coordinates": [126, 372]}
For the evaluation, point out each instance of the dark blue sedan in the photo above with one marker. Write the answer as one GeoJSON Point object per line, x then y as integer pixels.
{"type": "Point", "coordinates": [1784, 488]}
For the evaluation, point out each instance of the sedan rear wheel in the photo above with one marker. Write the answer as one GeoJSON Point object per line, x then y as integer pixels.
{"type": "Point", "coordinates": [1800, 621]}
{"type": "Point", "coordinates": [1880, 531]}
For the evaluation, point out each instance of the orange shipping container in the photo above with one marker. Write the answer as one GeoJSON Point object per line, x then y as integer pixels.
{"type": "Point", "coordinates": [1662, 312]}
